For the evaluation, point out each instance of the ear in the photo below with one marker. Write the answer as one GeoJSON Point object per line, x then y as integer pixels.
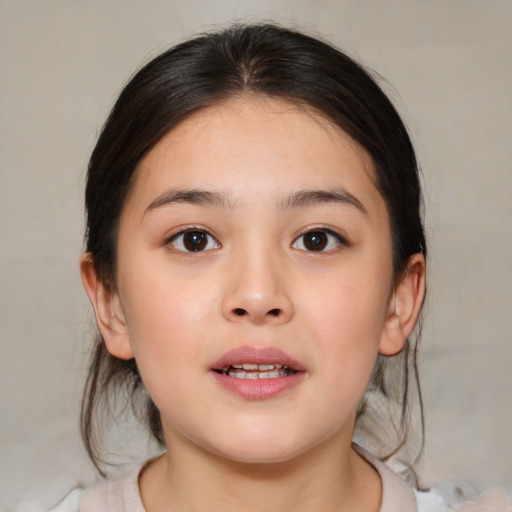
{"type": "Point", "coordinates": [108, 310]}
{"type": "Point", "coordinates": [404, 307]}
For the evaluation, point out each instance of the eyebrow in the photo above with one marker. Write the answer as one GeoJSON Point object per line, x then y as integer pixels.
{"type": "Point", "coordinates": [299, 199]}
{"type": "Point", "coordinates": [191, 196]}
{"type": "Point", "coordinates": [305, 198]}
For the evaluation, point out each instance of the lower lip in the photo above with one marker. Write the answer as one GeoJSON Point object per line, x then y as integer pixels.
{"type": "Point", "coordinates": [258, 389]}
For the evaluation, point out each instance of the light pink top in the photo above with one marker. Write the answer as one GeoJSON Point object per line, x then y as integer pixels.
{"type": "Point", "coordinates": [121, 493]}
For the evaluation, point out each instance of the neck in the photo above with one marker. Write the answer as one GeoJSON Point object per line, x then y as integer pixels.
{"type": "Point", "coordinates": [331, 477]}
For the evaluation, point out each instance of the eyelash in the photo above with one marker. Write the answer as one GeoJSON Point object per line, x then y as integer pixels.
{"type": "Point", "coordinates": [339, 239]}
{"type": "Point", "coordinates": [179, 236]}
{"type": "Point", "coordinates": [324, 244]}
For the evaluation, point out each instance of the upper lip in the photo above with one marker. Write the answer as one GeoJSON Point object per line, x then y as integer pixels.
{"type": "Point", "coordinates": [256, 355]}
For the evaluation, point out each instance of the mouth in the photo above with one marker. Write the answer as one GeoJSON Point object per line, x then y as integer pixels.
{"type": "Point", "coordinates": [257, 373]}
{"type": "Point", "coordinates": [254, 371]}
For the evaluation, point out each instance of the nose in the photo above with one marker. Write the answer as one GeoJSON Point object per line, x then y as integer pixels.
{"type": "Point", "coordinates": [256, 290]}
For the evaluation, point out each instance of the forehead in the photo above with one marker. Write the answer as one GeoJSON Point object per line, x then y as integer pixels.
{"type": "Point", "coordinates": [257, 144]}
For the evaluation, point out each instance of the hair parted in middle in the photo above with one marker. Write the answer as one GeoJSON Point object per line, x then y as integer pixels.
{"type": "Point", "coordinates": [265, 60]}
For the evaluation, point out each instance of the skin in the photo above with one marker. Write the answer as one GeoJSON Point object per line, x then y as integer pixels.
{"type": "Point", "coordinates": [258, 283]}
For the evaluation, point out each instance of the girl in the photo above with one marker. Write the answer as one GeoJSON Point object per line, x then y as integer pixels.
{"type": "Point", "coordinates": [255, 256]}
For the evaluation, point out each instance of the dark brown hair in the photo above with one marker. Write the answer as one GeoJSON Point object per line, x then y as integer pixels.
{"type": "Point", "coordinates": [259, 59]}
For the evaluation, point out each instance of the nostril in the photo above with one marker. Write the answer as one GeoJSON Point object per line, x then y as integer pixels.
{"type": "Point", "coordinates": [274, 312]}
{"type": "Point", "coordinates": [239, 311]}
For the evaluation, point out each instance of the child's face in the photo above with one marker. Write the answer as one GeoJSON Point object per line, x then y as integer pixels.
{"type": "Point", "coordinates": [293, 258]}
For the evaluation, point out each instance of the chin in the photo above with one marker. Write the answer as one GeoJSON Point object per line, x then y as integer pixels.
{"type": "Point", "coordinates": [253, 449]}
{"type": "Point", "coordinates": [260, 456]}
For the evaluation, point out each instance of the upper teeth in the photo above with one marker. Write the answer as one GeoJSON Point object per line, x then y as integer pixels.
{"type": "Point", "coordinates": [259, 367]}
{"type": "Point", "coordinates": [257, 371]}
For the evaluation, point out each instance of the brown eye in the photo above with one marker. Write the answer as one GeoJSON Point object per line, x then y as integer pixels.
{"type": "Point", "coordinates": [315, 241]}
{"type": "Point", "coordinates": [194, 240]}
{"type": "Point", "coordinates": [319, 241]}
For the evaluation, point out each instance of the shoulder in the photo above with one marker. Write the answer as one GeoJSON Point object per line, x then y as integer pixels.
{"type": "Point", "coordinates": [494, 499]}
{"type": "Point", "coordinates": [431, 501]}
{"type": "Point", "coordinates": [397, 494]}
{"type": "Point", "coordinates": [70, 502]}
{"type": "Point", "coordinates": [118, 494]}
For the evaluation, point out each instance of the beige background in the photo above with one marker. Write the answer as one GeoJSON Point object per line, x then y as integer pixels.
{"type": "Point", "coordinates": [62, 64]}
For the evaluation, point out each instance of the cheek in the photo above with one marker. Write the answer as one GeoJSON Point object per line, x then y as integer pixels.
{"type": "Point", "coordinates": [166, 326]}
{"type": "Point", "coordinates": [347, 318]}
{"type": "Point", "coordinates": [349, 310]}
{"type": "Point", "coordinates": [166, 317]}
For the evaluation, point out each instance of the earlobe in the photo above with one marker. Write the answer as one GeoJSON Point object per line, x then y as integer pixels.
{"type": "Point", "coordinates": [404, 307]}
{"type": "Point", "coordinates": [107, 309]}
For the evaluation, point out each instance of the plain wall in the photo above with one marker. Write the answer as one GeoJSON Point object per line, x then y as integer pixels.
{"type": "Point", "coordinates": [62, 63]}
